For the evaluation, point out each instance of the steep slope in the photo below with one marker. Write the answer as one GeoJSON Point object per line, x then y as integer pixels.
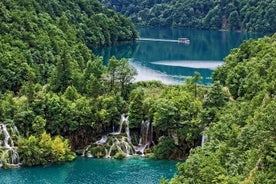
{"type": "Point", "coordinates": [35, 35]}
{"type": "Point", "coordinates": [240, 145]}
{"type": "Point", "coordinates": [252, 16]}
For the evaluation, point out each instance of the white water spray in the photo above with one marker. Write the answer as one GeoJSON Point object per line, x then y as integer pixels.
{"type": "Point", "coordinates": [9, 156]}
{"type": "Point", "coordinates": [123, 143]}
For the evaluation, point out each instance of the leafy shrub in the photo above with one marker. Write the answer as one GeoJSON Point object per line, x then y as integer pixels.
{"type": "Point", "coordinates": [44, 149]}
{"type": "Point", "coordinates": [165, 148]}
{"type": "Point", "coordinates": [119, 155]}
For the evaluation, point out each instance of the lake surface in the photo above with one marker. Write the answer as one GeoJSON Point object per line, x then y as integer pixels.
{"type": "Point", "coordinates": [159, 56]}
{"type": "Point", "coordinates": [93, 171]}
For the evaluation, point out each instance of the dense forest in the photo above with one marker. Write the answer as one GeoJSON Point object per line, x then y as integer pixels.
{"type": "Point", "coordinates": [56, 98]}
{"type": "Point", "coordinates": [45, 51]}
{"type": "Point", "coordinates": [241, 15]}
{"type": "Point", "coordinates": [241, 135]}
{"type": "Point", "coordinates": [38, 36]}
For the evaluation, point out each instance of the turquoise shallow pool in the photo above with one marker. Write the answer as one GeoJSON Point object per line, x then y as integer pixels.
{"type": "Point", "coordinates": [94, 171]}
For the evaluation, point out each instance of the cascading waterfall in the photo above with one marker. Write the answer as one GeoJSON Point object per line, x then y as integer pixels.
{"type": "Point", "coordinates": [102, 140]}
{"type": "Point", "coordinates": [116, 141]}
{"type": "Point", "coordinates": [9, 155]}
{"type": "Point", "coordinates": [146, 137]}
{"type": "Point", "coordinates": [146, 132]}
{"type": "Point", "coordinates": [123, 144]}
{"type": "Point", "coordinates": [203, 140]}
{"type": "Point", "coordinates": [86, 152]}
{"type": "Point", "coordinates": [123, 119]}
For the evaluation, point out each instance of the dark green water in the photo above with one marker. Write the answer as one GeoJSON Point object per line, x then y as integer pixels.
{"type": "Point", "coordinates": [173, 62]}
{"type": "Point", "coordinates": [93, 171]}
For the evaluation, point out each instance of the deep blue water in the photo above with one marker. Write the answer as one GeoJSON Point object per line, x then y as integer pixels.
{"type": "Point", "coordinates": [172, 62]}
{"type": "Point", "coordinates": [93, 171]}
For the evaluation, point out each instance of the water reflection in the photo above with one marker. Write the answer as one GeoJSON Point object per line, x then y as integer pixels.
{"type": "Point", "coordinates": [161, 60]}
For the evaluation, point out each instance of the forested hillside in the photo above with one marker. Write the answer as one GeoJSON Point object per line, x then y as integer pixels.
{"type": "Point", "coordinates": [36, 36]}
{"type": "Point", "coordinates": [244, 15]}
{"type": "Point", "coordinates": [56, 97]}
{"type": "Point", "coordinates": [241, 137]}
{"type": "Point", "coordinates": [46, 50]}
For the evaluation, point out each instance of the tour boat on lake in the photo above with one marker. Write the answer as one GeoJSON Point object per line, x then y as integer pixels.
{"type": "Point", "coordinates": [184, 40]}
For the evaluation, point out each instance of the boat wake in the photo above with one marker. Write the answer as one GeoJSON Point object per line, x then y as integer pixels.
{"type": "Point", "coordinates": [180, 40]}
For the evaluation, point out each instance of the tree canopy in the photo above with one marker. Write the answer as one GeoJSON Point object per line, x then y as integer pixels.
{"type": "Point", "coordinates": [250, 16]}
{"type": "Point", "coordinates": [52, 40]}
{"type": "Point", "coordinates": [240, 145]}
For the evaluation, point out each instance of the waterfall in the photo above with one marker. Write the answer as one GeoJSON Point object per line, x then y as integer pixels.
{"type": "Point", "coordinates": [145, 132]}
{"type": "Point", "coordinates": [102, 140]}
{"type": "Point", "coordinates": [109, 152]}
{"type": "Point", "coordinates": [123, 119]}
{"type": "Point", "coordinates": [127, 130]}
{"type": "Point", "coordinates": [85, 150]}
{"type": "Point", "coordinates": [9, 156]}
{"type": "Point", "coordinates": [203, 140]}
{"type": "Point", "coordinates": [6, 137]}
{"type": "Point", "coordinates": [89, 155]}
{"type": "Point", "coordinates": [121, 143]}
{"type": "Point", "coordinates": [145, 137]}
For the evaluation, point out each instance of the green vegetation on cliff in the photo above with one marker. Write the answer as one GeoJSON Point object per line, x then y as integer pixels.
{"type": "Point", "coordinates": [252, 16]}
{"type": "Point", "coordinates": [45, 60]}
{"type": "Point", "coordinates": [240, 146]}
{"type": "Point", "coordinates": [52, 86]}
{"type": "Point", "coordinates": [37, 36]}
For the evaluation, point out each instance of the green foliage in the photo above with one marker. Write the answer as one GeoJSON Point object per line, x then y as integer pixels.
{"type": "Point", "coordinates": [165, 148]}
{"type": "Point", "coordinates": [249, 69]}
{"type": "Point", "coordinates": [109, 110]}
{"type": "Point", "coordinates": [43, 149]}
{"type": "Point", "coordinates": [51, 41]}
{"type": "Point", "coordinates": [136, 111]}
{"type": "Point", "coordinates": [240, 145]}
{"type": "Point", "coordinates": [98, 151]}
{"type": "Point", "coordinates": [214, 100]}
{"type": "Point", "coordinates": [122, 73]}
{"type": "Point", "coordinates": [71, 93]}
{"type": "Point", "coordinates": [233, 15]}
{"type": "Point", "coordinates": [119, 155]}
{"type": "Point", "coordinates": [50, 82]}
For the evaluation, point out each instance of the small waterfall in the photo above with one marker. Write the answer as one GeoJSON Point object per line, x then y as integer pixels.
{"type": "Point", "coordinates": [141, 149]}
{"type": "Point", "coordinates": [123, 119]}
{"type": "Point", "coordinates": [146, 132]}
{"type": "Point", "coordinates": [88, 154]}
{"type": "Point", "coordinates": [120, 143]}
{"type": "Point", "coordinates": [102, 140]}
{"type": "Point", "coordinates": [9, 156]}
{"type": "Point", "coordinates": [127, 130]}
{"type": "Point", "coordinates": [109, 152]}
{"type": "Point", "coordinates": [203, 140]}
{"type": "Point", "coordinates": [6, 137]}
{"type": "Point", "coordinates": [85, 150]}
{"type": "Point", "coordinates": [145, 137]}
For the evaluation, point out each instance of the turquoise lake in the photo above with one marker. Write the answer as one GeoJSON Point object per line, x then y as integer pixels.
{"type": "Point", "coordinates": [93, 171]}
{"type": "Point", "coordinates": [159, 56]}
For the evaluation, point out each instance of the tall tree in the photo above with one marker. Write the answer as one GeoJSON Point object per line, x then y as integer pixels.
{"type": "Point", "coordinates": [63, 75]}
{"type": "Point", "coordinates": [122, 72]}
